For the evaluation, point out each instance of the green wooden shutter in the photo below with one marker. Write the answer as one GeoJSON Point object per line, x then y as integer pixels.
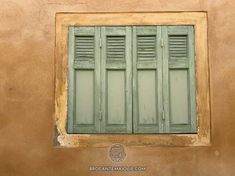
{"type": "Point", "coordinates": [107, 64]}
{"type": "Point", "coordinates": [116, 80]}
{"type": "Point", "coordinates": [179, 79]}
{"type": "Point", "coordinates": [147, 79]}
{"type": "Point", "coordinates": [83, 80]}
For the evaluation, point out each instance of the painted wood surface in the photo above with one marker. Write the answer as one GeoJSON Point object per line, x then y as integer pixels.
{"type": "Point", "coordinates": [147, 97]}
{"type": "Point", "coordinates": [115, 97]}
{"type": "Point", "coordinates": [116, 75]}
{"type": "Point", "coordinates": [155, 62]}
{"type": "Point", "coordinates": [179, 79]}
{"type": "Point", "coordinates": [83, 89]}
{"type": "Point", "coordinates": [146, 73]}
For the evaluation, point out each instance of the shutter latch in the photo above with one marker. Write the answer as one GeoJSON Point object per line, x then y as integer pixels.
{"type": "Point", "coordinates": [100, 115]}
{"type": "Point", "coordinates": [100, 43]}
{"type": "Point", "coordinates": [162, 42]}
{"type": "Point", "coordinates": [163, 115]}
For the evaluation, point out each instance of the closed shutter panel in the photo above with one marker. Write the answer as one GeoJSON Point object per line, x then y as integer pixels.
{"type": "Point", "coordinates": [179, 79]}
{"type": "Point", "coordinates": [83, 82]}
{"type": "Point", "coordinates": [116, 80]}
{"type": "Point", "coordinates": [147, 77]}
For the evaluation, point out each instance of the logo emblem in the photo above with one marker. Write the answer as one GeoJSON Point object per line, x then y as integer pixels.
{"type": "Point", "coordinates": [117, 153]}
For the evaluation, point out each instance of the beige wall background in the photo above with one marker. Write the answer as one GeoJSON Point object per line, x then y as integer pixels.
{"type": "Point", "coordinates": [27, 44]}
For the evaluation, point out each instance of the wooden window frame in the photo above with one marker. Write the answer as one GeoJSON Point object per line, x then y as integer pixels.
{"type": "Point", "coordinates": [197, 19]}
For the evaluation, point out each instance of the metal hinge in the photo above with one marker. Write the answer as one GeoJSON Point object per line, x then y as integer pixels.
{"type": "Point", "coordinates": [163, 115]}
{"type": "Point", "coordinates": [162, 42]}
{"type": "Point", "coordinates": [100, 115]}
{"type": "Point", "coordinates": [100, 43]}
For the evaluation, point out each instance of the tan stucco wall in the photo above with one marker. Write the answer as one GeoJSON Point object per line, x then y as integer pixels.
{"type": "Point", "coordinates": [27, 41]}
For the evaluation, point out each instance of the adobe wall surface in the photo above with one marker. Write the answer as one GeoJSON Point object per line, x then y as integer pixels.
{"type": "Point", "coordinates": [27, 44]}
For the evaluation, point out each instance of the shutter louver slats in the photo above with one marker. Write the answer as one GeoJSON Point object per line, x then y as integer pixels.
{"type": "Point", "coordinates": [115, 47]}
{"type": "Point", "coordinates": [178, 46]}
{"type": "Point", "coordinates": [146, 47]}
{"type": "Point", "coordinates": [84, 48]}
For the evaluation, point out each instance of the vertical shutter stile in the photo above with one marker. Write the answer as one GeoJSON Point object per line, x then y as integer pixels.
{"type": "Point", "coordinates": [146, 76]}
{"type": "Point", "coordinates": [179, 79]}
{"type": "Point", "coordinates": [83, 79]}
{"type": "Point", "coordinates": [116, 80]}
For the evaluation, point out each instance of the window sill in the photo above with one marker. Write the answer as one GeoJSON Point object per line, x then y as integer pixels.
{"type": "Point", "coordinates": [104, 140]}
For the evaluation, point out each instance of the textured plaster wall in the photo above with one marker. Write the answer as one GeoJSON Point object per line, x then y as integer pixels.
{"type": "Point", "coordinates": [27, 41]}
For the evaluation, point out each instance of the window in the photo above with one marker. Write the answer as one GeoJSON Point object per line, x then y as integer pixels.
{"type": "Point", "coordinates": [145, 75]}
{"type": "Point", "coordinates": [131, 79]}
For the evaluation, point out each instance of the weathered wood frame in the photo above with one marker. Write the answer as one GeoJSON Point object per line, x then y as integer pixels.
{"type": "Point", "coordinates": [198, 19]}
